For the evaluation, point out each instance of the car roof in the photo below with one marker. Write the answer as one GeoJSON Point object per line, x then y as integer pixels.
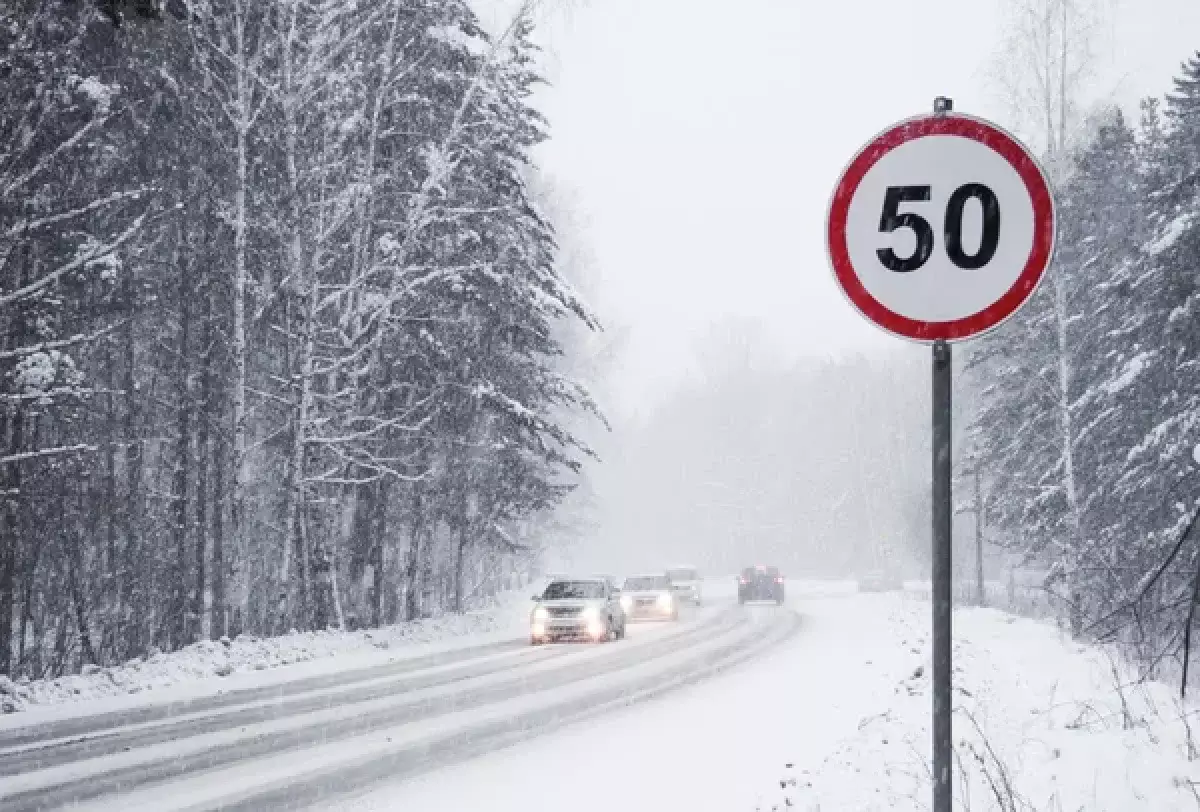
{"type": "Point", "coordinates": [589, 579]}
{"type": "Point", "coordinates": [647, 575]}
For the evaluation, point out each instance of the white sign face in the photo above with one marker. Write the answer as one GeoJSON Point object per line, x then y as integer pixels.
{"type": "Point", "coordinates": [941, 228]}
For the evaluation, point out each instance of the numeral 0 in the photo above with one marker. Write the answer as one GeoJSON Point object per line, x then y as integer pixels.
{"type": "Point", "coordinates": [892, 219]}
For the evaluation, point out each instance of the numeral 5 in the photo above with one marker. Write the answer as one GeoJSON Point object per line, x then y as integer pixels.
{"type": "Point", "coordinates": [892, 219]}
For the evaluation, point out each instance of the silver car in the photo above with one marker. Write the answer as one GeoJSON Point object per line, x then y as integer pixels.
{"type": "Point", "coordinates": [576, 608]}
{"type": "Point", "coordinates": [649, 597]}
{"type": "Point", "coordinates": [687, 584]}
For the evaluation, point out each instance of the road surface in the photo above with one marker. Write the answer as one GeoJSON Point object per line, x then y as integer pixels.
{"type": "Point", "coordinates": [309, 741]}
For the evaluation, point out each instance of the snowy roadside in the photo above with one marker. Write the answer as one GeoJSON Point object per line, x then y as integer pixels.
{"type": "Point", "coordinates": [1041, 723]}
{"type": "Point", "coordinates": [214, 667]}
{"type": "Point", "coordinates": [846, 703]}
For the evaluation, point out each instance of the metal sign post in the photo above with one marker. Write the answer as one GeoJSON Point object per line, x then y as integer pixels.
{"type": "Point", "coordinates": [939, 229]}
{"type": "Point", "coordinates": [941, 595]}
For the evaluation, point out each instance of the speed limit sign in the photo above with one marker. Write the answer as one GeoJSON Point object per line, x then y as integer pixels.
{"type": "Point", "coordinates": [941, 227]}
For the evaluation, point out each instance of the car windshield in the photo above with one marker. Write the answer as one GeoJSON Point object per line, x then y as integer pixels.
{"type": "Point", "coordinates": [682, 574]}
{"type": "Point", "coordinates": [643, 583]}
{"type": "Point", "coordinates": [573, 590]}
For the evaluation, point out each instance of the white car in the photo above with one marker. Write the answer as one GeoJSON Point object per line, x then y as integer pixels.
{"type": "Point", "coordinates": [576, 608]}
{"type": "Point", "coordinates": [649, 597]}
{"type": "Point", "coordinates": [686, 583]}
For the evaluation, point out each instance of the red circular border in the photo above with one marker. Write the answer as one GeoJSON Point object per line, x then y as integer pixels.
{"type": "Point", "coordinates": [1039, 256]}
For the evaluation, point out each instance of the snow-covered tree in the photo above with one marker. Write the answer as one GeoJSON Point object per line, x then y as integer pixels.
{"type": "Point", "coordinates": [1089, 390]}
{"type": "Point", "coordinates": [280, 320]}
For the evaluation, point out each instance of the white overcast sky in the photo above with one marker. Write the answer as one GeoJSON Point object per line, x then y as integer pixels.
{"type": "Point", "coordinates": [701, 140]}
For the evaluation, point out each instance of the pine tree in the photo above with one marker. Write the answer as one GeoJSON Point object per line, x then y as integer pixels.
{"type": "Point", "coordinates": [1182, 113]}
{"type": "Point", "coordinates": [1102, 223]}
{"type": "Point", "coordinates": [1166, 277]}
{"type": "Point", "coordinates": [278, 308]}
{"type": "Point", "coordinates": [1125, 294]}
{"type": "Point", "coordinates": [1049, 438]}
{"type": "Point", "coordinates": [1163, 413]}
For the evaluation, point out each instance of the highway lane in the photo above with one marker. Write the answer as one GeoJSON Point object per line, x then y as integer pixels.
{"type": "Point", "coordinates": [301, 742]}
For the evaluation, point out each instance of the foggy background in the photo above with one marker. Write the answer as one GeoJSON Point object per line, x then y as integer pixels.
{"type": "Point", "coordinates": [754, 414]}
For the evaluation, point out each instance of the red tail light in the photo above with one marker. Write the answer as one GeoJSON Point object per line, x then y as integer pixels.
{"type": "Point", "coordinates": [779, 580]}
{"type": "Point", "coordinates": [742, 581]}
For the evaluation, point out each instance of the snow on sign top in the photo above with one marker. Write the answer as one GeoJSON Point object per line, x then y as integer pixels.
{"type": "Point", "coordinates": [941, 228]}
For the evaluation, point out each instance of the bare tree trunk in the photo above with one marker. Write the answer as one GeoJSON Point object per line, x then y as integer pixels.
{"type": "Point", "coordinates": [980, 585]}
{"type": "Point", "coordinates": [202, 596]}
{"type": "Point", "coordinates": [77, 593]}
{"type": "Point", "coordinates": [10, 482]}
{"type": "Point", "coordinates": [133, 623]}
{"type": "Point", "coordinates": [1189, 621]}
{"type": "Point", "coordinates": [220, 604]}
{"type": "Point", "coordinates": [8, 539]}
{"type": "Point", "coordinates": [335, 593]}
{"type": "Point", "coordinates": [112, 565]}
{"type": "Point", "coordinates": [367, 521]}
{"type": "Point", "coordinates": [244, 103]}
{"type": "Point", "coordinates": [181, 631]}
{"type": "Point", "coordinates": [1067, 433]}
{"type": "Point", "coordinates": [293, 542]}
{"type": "Point", "coordinates": [1048, 90]}
{"type": "Point", "coordinates": [460, 547]}
{"type": "Point", "coordinates": [414, 563]}
{"type": "Point", "coordinates": [1064, 56]}
{"type": "Point", "coordinates": [301, 373]}
{"type": "Point", "coordinates": [296, 495]}
{"type": "Point", "coordinates": [306, 597]}
{"type": "Point", "coordinates": [362, 241]}
{"type": "Point", "coordinates": [27, 612]}
{"type": "Point", "coordinates": [283, 601]}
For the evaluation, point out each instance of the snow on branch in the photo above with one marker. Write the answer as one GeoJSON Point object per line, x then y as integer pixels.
{"type": "Point", "coordinates": [80, 448]}
{"type": "Point", "coordinates": [96, 253]}
{"type": "Point", "coordinates": [58, 344]}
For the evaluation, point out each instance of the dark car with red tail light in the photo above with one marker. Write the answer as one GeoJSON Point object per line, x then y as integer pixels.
{"type": "Point", "coordinates": [760, 583]}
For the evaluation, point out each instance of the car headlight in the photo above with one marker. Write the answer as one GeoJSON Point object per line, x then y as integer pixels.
{"type": "Point", "coordinates": [664, 601]}
{"type": "Point", "coordinates": [590, 613]}
{"type": "Point", "coordinates": [626, 602]}
{"type": "Point", "coordinates": [540, 615]}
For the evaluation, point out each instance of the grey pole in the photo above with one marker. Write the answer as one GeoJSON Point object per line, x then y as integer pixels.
{"type": "Point", "coordinates": [942, 592]}
{"type": "Point", "coordinates": [980, 585]}
{"type": "Point", "coordinates": [942, 586]}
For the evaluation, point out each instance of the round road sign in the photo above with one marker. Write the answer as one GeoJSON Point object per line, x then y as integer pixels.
{"type": "Point", "coordinates": [941, 227]}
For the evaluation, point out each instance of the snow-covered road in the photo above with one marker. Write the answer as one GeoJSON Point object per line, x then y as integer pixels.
{"type": "Point", "coordinates": [1041, 722]}
{"type": "Point", "coordinates": [834, 684]}
{"type": "Point", "coordinates": [718, 746]}
{"type": "Point", "coordinates": [304, 741]}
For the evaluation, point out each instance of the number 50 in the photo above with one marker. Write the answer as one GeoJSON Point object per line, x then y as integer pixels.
{"type": "Point", "coordinates": [893, 219]}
